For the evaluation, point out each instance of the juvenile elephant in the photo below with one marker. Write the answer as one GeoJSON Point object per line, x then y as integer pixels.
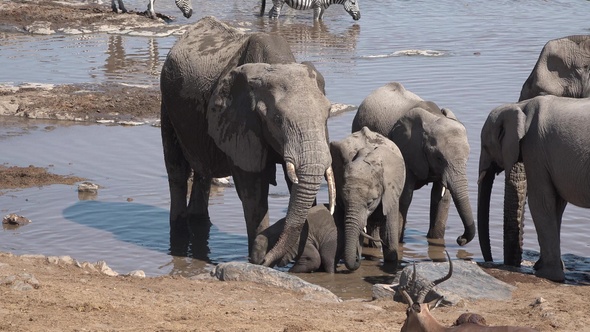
{"type": "Point", "coordinates": [550, 135]}
{"type": "Point", "coordinates": [563, 69]}
{"type": "Point", "coordinates": [237, 103]}
{"type": "Point", "coordinates": [435, 150]}
{"type": "Point", "coordinates": [370, 174]}
{"type": "Point", "coordinates": [320, 245]}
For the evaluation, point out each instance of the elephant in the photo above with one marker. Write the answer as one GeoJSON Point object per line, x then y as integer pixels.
{"type": "Point", "coordinates": [435, 150]}
{"type": "Point", "coordinates": [563, 69]}
{"type": "Point", "coordinates": [549, 135]}
{"type": "Point", "coordinates": [236, 103]}
{"type": "Point", "coordinates": [320, 246]}
{"type": "Point", "coordinates": [370, 173]}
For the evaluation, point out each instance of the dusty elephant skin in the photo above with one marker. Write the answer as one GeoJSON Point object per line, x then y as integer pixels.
{"type": "Point", "coordinates": [563, 69]}
{"type": "Point", "coordinates": [435, 149]}
{"type": "Point", "coordinates": [237, 104]}
{"type": "Point", "coordinates": [370, 173]}
{"type": "Point", "coordinates": [320, 245]}
{"type": "Point", "coordinates": [549, 134]}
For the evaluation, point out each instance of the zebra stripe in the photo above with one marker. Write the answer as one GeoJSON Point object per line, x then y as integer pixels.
{"type": "Point", "coordinates": [351, 6]}
{"type": "Point", "coordinates": [184, 5]}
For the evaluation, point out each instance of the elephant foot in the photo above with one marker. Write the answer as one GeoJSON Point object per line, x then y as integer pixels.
{"type": "Point", "coordinates": [556, 275]}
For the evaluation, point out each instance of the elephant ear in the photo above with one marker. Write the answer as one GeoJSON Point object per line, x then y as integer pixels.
{"type": "Point", "coordinates": [409, 135]}
{"type": "Point", "coordinates": [233, 122]}
{"type": "Point", "coordinates": [511, 129]}
{"type": "Point", "coordinates": [391, 169]}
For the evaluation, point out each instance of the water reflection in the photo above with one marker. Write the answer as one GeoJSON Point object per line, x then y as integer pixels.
{"type": "Point", "coordinates": [140, 60]}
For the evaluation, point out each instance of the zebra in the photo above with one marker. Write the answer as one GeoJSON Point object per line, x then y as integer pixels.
{"type": "Point", "coordinates": [318, 6]}
{"type": "Point", "coordinates": [184, 5]}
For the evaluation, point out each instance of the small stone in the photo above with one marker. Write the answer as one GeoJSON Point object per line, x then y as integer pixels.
{"type": "Point", "coordinates": [88, 187]}
{"type": "Point", "coordinates": [136, 274]}
{"type": "Point", "coordinates": [105, 269]}
{"type": "Point", "coordinates": [15, 220]}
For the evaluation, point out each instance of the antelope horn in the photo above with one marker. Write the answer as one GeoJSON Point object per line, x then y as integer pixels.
{"type": "Point", "coordinates": [331, 188]}
{"type": "Point", "coordinates": [422, 294]}
{"type": "Point", "coordinates": [291, 172]}
{"type": "Point", "coordinates": [406, 296]}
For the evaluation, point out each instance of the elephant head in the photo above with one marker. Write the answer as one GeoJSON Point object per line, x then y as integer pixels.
{"type": "Point", "coordinates": [435, 148]}
{"type": "Point", "coordinates": [260, 114]}
{"type": "Point", "coordinates": [500, 150]}
{"type": "Point", "coordinates": [563, 69]}
{"type": "Point", "coordinates": [369, 171]}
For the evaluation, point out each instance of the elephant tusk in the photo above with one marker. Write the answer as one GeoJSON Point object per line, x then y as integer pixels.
{"type": "Point", "coordinates": [444, 190]}
{"type": "Point", "coordinates": [365, 235]}
{"type": "Point", "coordinates": [291, 172]}
{"type": "Point", "coordinates": [481, 176]}
{"type": "Point", "coordinates": [331, 188]}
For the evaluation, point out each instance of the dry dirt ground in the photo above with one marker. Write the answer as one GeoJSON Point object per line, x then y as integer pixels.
{"type": "Point", "coordinates": [40, 294]}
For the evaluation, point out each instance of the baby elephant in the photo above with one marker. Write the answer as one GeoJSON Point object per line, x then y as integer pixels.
{"type": "Point", "coordinates": [320, 245]}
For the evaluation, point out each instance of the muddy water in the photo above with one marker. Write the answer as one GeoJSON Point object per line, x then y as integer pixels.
{"type": "Point", "coordinates": [472, 56]}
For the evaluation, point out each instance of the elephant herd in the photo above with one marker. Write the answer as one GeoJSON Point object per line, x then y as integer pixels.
{"type": "Point", "coordinates": [236, 103]}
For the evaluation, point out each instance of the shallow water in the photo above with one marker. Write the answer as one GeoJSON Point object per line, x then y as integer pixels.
{"type": "Point", "coordinates": [469, 56]}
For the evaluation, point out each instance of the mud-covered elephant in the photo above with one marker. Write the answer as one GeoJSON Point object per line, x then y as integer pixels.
{"type": "Point", "coordinates": [237, 103]}
{"type": "Point", "coordinates": [550, 135]}
{"type": "Point", "coordinates": [320, 245]}
{"type": "Point", "coordinates": [370, 173]}
{"type": "Point", "coordinates": [563, 69]}
{"type": "Point", "coordinates": [435, 149]}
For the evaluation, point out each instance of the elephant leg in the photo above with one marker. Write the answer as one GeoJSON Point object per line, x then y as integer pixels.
{"type": "Point", "coordinates": [252, 190]}
{"type": "Point", "coordinates": [547, 210]}
{"type": "Point", "coordinates": [178, 170]}
{"type": "Point", "coordinates": [439, 211]}
{"type": "Point", "coordinates": [404, 205]}
{"type": "Point", "coordinates": [198, 217]}
{"type": "Point", "coordinates": [309, 261]}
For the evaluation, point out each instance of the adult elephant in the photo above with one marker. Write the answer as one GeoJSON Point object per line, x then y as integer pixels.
{"type": "Point", "coordinates": [562, 69]}
{"type": "Point", "coordinates": [370, 173]}
{"type": "Point", "coordinates": [237, 103]}
{"type": "Point", "coordinates": [549, 134]}
{"type": "Point", "coordinates": [435, 149]}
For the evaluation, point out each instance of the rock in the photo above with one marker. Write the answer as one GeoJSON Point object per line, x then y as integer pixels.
{"type": "Point", "coordinates": [103, 268]}
{"type": "Point", "coordinates": [40, 28]}
{"type": "Point", "coordinates": [88, 187]}
{"type": "Point", "coordinates": [381, 291]}
{"type": "Point", "coordinates": [468, 282]}
{"type": "Point", "coordinates": [237, 271]}
{"type": "Point", "coordinates": [136, 274]}
{"type": "Point", "coordinates": [222, 182]}
{"type": "Point", "coordinates": [21, 282]}
{"type": "Point", "coordinates": [336, 108]}
{"type": "Point", "coordinates": [15, 220]}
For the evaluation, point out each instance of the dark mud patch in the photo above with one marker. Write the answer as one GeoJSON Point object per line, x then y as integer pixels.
{"type": "Point", "coordinates": [108, 103]}
{"type": "Point", "coordinates": [14, 177]}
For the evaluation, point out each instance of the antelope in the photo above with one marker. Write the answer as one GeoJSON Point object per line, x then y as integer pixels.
{"type": "Point", "coordinates": [419, 319]}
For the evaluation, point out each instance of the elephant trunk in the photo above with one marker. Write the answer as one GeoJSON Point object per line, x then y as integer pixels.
{"type": "Point", "coordinates": [460, 194]}
{"type": "Point", "coordinates": [484, 193]}
{"type": "Point", "coordinates": [303, 194]}
{"type": "Point", "coordinates": [515, 191]}
{"type": "Point", "coordinates": [352, 239]}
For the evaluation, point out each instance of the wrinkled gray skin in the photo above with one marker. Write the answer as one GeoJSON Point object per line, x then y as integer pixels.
{"type": "Point", "coordinates": [563, 69]}
{"type": "Point", "coordinates": [435, 149]}
{"type": "Point", "coordinates": [226, 110]}
{"type": "Point", "coordinates": [370, 173]}
{"type": "Point", "coordinates": [550, 134]}
{"type": "Point", "coordinates": [184, 5]}
{"type": "Point", "coordinates": [320, 245]}
{"type": "Point", "coordinates": [319, 8]}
